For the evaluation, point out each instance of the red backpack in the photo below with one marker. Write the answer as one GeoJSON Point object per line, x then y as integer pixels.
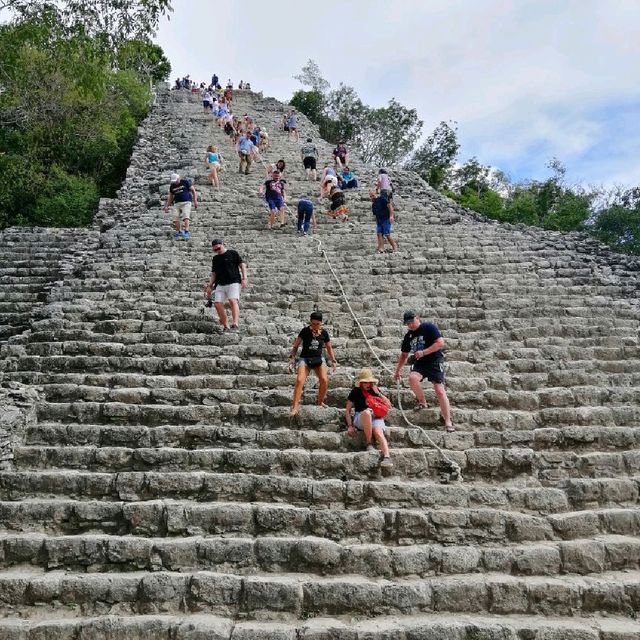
{"type": "Point", "coordinates": [377, 404]}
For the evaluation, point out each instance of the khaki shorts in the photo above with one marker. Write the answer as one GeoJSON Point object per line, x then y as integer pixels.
{"type": "Point", "coordinates": [183, 210]}
{"type": "Point", "coordinates": [227, 292]}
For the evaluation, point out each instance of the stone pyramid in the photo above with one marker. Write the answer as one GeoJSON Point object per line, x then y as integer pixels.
{"type": "Point", "coordinates": [153, 486]}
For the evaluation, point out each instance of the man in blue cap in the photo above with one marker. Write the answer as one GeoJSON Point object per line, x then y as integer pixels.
{"type": "Point", "coordinates": [423, 341]}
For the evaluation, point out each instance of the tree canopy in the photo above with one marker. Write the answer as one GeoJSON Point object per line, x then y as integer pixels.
{"type": "Point", "coordinates": [70, 104]}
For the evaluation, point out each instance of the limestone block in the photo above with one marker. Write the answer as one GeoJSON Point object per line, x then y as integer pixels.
{"type": "Point", "coordinates": [580, 556]}
{"type": "Point", "coordinates": [460, 594]}
{"type": "Point", "coordinates": [272, 594]}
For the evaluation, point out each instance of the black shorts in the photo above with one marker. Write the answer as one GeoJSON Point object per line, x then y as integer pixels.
{"type": "Point", "coordinates": [432, 371]}
{"type": "Point", "coordinates": [309, 162]}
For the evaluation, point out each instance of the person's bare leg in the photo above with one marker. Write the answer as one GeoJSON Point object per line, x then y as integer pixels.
{"type": "Point", "coordinates": [272, 217]}
{"type": "Point", "coordinates": [176, 224]}
{"type": "Point", "coordinates": [392, 242]}
{"type": "Point", "coordinates": [415, 382]}
{"type": "Point", "coordinates": [380, 241]}
{"type": "Point", "coordinates": [235, 311]}
{"type": "Point", "coordinates": [367, 427]}
{"type": "Point", "coordinates": [301, 378]}
{"type": "Point", "coordinates": [282, 216]}
{"type": "Point", "coordinates": [222, 314]}
{"type": "Point", "coordinates": [186, 223]}
{"type": "Point", "coordinates": [380, 438]}
{"type": "Point", "coordinates": [323, 383]}
{"type": "Point", "coordinates": [443, 401]}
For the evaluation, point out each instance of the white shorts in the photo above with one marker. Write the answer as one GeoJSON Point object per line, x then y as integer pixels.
{"type": "Point", "coordinates": [227, 292]}
{"type": "Point", "coordinates": [183, 210]}
{"type": "Point", "coordinates": [376, 423]}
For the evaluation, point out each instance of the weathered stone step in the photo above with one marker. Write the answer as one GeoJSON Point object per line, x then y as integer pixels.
{"type": "Point", "coordinates": [278, 414]}
{"type": "Point", "coordinates": [578, 396]}
{"type": "Point", "coordinates": [206, 486]}
{"type": "Point", "coordinates": [576, 439]}
{"type": "Point", "coordinates": [102, 553]}
{"type": "Point", "coordinates": [432, 626]}
{"type": "Point", "coordinates": [459, 380]}
{"type": "Point", "coordinates": [302, 595]}
{"type": "Point", "coordinates": [297, 462]}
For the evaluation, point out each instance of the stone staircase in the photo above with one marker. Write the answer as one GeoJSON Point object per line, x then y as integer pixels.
{"type": "Point", "coordinates": [163, 492]}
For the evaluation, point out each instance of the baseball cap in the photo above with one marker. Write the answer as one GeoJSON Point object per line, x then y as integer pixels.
{"type": "Point", "coordinates": [174, 177]}
{"type": "Point", "coordinates": [408, 316]}
{"type": "Point", "coordinates": [216, 241]}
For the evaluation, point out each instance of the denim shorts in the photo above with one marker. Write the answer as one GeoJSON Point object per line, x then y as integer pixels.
{"type": "Point", "coordinates": [275, 203]}
{"type": "Point", "coordinates": [384, 228]}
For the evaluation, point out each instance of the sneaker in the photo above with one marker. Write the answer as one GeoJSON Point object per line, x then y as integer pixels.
{"type": "Point", "coordinates": [370, 447]}
{"type": "Point", "coordinates": [450, 428]}
{"type": "Point", "coordinates": [234, 327]}
{"type": "Point", "coordinates": [386, 463]}
{"type": "Point", "coordinates": [225, 329]}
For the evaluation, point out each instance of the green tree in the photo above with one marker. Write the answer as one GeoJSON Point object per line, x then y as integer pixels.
{"type": "Point", "coordinates": [113, 22]}
{"type": "Point", "coordinates": [311, 103]}
{"type": "Point", "coordinates": [68, 117]}
{"type": "Point", "coordinates": [385, 136]}
{"type": "Point", "coordinates": [434, 159]}
{"type": "Point", "coordinates": [145, 59]}
{"type": "Point", "coordinates": [311, 76]}
{"type": "Point", "coordinates": [618, 221]}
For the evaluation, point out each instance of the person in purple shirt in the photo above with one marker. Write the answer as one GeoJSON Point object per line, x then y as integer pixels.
{"type": "Point", "coordinates": [423, 342]}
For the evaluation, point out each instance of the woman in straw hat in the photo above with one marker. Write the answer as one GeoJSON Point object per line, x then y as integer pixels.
{"type": "Point", "coordinates": [373, 428]}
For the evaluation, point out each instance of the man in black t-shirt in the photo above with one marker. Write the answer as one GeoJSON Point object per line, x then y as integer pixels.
{"type": "Point", "coordinates": [228, 276]}
{"type": "Point", "coordinates": [424, 342]}
{"type": "Point", "coordinates": [313, 339]}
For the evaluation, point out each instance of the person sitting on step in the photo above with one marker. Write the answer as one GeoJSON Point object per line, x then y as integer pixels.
{"type": "Point", "coordinates": [313, 339]}
{"type": "Point", "coordinates": [347, 179]}
{"type": "Point", "coordinates": [365, 419]}
{"type": "Point", "coordinates": [340, 155]}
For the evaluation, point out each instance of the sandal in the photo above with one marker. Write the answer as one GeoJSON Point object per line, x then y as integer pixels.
{"type": "Point", "coordinates": [420, 406]}
{"type": "Point", "coordinates": [450, 428]}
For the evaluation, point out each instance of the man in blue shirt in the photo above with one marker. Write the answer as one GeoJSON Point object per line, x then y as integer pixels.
{"type": "Point", "coordinates": [245, 149]}
{"type": "Point", "coordinates": [383, 212]}
{"type": "Point", "coordinates": [424, 342]}
{"type": "Point", "coordinates": [181, 195]}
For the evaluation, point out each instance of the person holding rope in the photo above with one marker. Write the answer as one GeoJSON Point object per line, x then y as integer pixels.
{"type": "Point", "coordinates": [313, 339]}
{"type": "Point", "coordinates": [424, 342]}
{"type": "Point", "coordinates": [275, 196]}
{"type": "Point", "coordinates": [370, 407]}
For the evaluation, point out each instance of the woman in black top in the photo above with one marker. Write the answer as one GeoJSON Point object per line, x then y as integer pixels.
{"type": "Point", "coordinates": [372, 428]}
{"type": "Point", "coordinates": [313, 339]}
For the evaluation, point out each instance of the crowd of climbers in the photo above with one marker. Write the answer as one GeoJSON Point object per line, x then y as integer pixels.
{"type": "Point", "coordinates": [421, 347]}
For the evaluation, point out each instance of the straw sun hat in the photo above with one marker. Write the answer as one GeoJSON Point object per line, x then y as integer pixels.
{"type": "Point", "coordinates": [365, 375]}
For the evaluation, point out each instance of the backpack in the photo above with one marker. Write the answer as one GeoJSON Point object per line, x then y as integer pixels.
{"type": "Point", "coordinates": [377, 404]}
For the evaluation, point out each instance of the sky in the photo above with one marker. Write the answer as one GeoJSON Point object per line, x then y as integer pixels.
{"type": "Point", "coordinates": [525, 80]}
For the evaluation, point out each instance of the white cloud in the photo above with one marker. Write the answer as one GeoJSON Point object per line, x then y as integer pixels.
{"type": "Point", "coordinates": [520, 77]}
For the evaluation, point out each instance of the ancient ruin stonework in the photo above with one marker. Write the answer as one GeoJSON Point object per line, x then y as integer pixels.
{"type": "Point", "coordinates": [160, 490]}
